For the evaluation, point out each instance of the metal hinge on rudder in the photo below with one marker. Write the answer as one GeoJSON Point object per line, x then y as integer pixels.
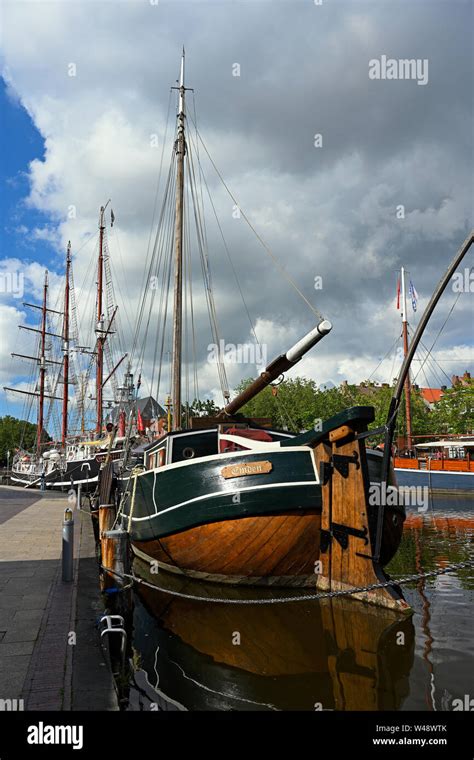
{"type": "Point", "coordinates": [341, 534]}
{"type": "Point", "coordinates": [340, 463]}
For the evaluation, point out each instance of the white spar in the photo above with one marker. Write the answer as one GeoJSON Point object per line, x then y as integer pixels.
{"type": "Point", "coordinates": [300, 348]}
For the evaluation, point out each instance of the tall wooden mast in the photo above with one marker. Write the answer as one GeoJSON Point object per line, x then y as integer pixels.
{"type": "Point", "coordinates": [405, 352]}
{"type": "Point", "coordinates": [42, 374]}
{"type": "Point", "coordinates": [100, 324]}
{"type": "Point", "coordinates": [66, 346]}
{"type": "Point", "coordinates": [180, 148]}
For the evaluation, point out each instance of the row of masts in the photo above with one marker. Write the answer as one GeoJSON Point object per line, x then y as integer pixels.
{"type": "Point", "coordinates": [174, 420]}
{"type": "Point", "coordinates": [43, 360]}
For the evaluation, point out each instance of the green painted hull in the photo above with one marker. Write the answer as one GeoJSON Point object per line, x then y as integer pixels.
{"type": "Point", "coordinates": [185, 495]}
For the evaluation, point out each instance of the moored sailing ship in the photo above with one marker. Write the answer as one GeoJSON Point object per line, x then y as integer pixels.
{"type": "Point", "coordinates": [77, 456]}
{"type": "Point", "coordinates": [231, 500]}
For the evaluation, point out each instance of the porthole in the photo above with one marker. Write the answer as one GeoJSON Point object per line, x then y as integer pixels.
{"type": "Point", "coordinates": [188, 453]}
{"type": "Point", "coordinates": [395, 520]}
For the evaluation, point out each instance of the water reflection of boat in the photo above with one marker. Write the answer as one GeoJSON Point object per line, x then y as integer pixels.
{"type": "Point", "coordinates": [333, 655]}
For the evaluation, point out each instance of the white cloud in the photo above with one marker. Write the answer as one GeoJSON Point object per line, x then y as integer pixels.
{"type": "Point", "coordinates": [328, 212]}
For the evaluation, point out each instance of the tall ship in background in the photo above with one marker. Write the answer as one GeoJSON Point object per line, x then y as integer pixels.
{"type": "Point", "coordinates": [63, 364]}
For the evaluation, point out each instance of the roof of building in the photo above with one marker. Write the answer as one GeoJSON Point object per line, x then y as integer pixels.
{"type": "Point", "coordinates": [149, 409]}
{"type": "Point", "coordinates": [431, 395]}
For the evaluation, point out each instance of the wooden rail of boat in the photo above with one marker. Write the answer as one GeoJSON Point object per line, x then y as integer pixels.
{"type": "Point", "coordinates": [447, 465]}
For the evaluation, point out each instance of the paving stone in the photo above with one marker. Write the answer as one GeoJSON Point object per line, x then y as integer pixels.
{"type": "Point", "coordinates": [7, 601]}
{"type": "Point", "coordinates": [6, 618]}
{"type": "Point", "coordinates": [22, 633]}
{"type": "Point", "coordinates": [11, 687]}
{"type": "Point", "coordinates": [21, 572]}
{"type": "Point", "coordinates": [52, 705]}
{"type": "Point", "coordinates": [14, 648]}
{"type": "Point", "coordinates": [33, 602]}
{"type": "Point", "coordinates": [45, 681]}
{"type": "Point", "coordinates": [13, 665]}
{"type": "Point", "coordinates": [27, 616]}
{"type": "Point", "coordinates": [20, 585]}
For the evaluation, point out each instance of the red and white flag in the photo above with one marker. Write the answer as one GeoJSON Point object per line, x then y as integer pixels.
{"type": "Point", "coordinates": [140, 425]}
{"type": "Point", "coordinates": [398, 293]}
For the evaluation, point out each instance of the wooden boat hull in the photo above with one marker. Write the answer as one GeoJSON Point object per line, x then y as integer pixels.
{"type": "Point", "coordinates": [275, 549]}
{"type": "Point", "coordinates": [258, 529]}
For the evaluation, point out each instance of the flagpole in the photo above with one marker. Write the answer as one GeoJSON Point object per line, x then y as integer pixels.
{"type": "Point", "coordinates": [405, 352]}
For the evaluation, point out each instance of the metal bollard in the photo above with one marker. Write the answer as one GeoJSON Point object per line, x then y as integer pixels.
{"type": "Point", "coordinates": [78, 504]}
{"type": "Point", "coordinates": [68, 545]}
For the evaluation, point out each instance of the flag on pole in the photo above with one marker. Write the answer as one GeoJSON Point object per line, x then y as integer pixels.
{"type": "Point", "coordinates": [398, 293]}
{"type": "Point", "coordinates": [413, 295]}
{"type": "Point", "coordinates": [112, 218]}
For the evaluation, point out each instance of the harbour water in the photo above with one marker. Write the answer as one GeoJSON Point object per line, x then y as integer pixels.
{"type": "Point", "coordinates": [315, 655]}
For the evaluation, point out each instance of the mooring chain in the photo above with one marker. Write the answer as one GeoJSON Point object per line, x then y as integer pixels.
{"type": "Point", "coordinates": [302, 597]}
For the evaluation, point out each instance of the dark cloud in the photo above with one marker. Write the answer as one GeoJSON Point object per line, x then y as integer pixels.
{"type": "Point", "coordinates": [327, 211]}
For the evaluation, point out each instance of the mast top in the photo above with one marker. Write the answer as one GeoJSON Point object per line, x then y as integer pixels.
{"type": "Point", "coordinates": [101, 215]}
{"type": "Point", "coordinates": [404, 297]}
{"type": "Point", "coordinates": [181, 85]}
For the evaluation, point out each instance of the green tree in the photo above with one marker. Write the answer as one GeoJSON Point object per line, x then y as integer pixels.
{"type": "Point", "coordinates": [299, 404]}
{"type": "Point", "coordinates": [380, 398]}
{"type": "Point", "coordinates": [454, 412]}
{"type": "Point", "coordinates": [199, 408]}
{"type": "Point", "coordinates": [206, 407]}
{"type": "Point", "coordinates": [15, 433]}
{"type": "Point", "coordinates": [289, 405]}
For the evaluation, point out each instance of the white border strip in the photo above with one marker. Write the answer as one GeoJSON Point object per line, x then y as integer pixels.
{"type": "Point", "coordinates": [311, 483]}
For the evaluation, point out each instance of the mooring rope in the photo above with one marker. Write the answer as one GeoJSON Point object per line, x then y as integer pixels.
{"type": "Point", "coordinates": [302, 597]}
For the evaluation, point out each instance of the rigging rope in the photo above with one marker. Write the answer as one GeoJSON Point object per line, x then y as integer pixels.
{"type": "Point", "coordinates": [444, 323]}
{"type": "Point", "coordinates": [206, 273]}
{"type": "Point", "coordinates": [259, 238]}
{"type": "Point", "coordinates": [226, 248]}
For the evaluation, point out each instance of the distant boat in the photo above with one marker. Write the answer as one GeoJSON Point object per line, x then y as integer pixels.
{"type": "Point", "coordinates": [76, 458]}
{"type": "Point", "coordinates": [442, 465]}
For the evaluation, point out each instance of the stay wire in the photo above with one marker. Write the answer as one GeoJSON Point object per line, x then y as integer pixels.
{"type": "Point", "coordinates": [259, 238]}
